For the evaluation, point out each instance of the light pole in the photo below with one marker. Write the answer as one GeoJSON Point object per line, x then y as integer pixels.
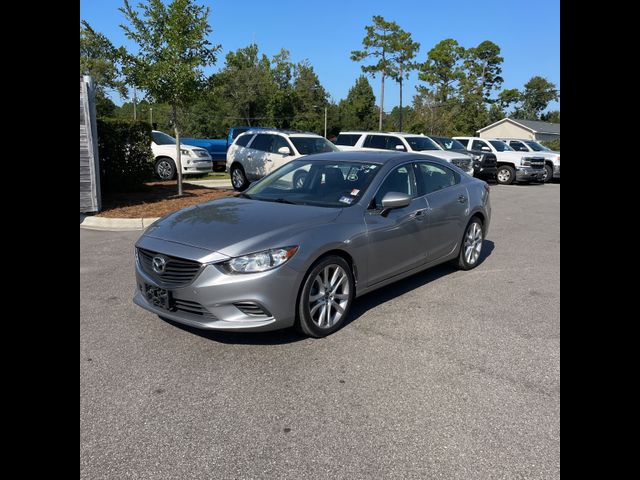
{"type": "Point", "coordinates": [325, 119]}
{"type": "Point", "coordinates": [151, 116]}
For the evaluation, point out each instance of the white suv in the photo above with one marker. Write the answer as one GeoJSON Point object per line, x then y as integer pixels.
{"type": "Point", "coordinates": [194, 160]}
{"type": "Point", "coordinates": [257, 153]}
{"type": "Point", "coordinates": [404, 142]}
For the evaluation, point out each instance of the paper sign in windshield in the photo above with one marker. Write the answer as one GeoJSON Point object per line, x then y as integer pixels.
{"type": "Point", "coordinates": [347, 200]}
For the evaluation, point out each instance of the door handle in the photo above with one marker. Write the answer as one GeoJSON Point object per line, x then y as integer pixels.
{"type": "Point", "coordinates": [462, 199]}
{"type": "Point", "coordinates": [420, 214]}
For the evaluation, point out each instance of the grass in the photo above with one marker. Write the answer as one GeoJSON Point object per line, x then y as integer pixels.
{"type": "Point", "coordinates": [209, 176]}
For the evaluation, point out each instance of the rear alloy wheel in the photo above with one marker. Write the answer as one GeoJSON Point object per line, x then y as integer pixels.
{"type": "Point", "coordinates": [238, 178]}
{"type": "Point", "coordinates": [505, 175]}
{"type": "Point", "coordinates": [326, 297]}
{"type": "Point", "coordinates": [548, 173]}
{"type": "Point", "coordinates": [471, 245]}
{"type": "Point", "coordinates": [165, 169]}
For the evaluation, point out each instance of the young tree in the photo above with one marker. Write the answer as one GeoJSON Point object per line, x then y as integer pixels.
{"type": "Point", "coordinates": [484, 66]}
{"type": "Point", "coordinates": [379, 43]}
{"type": "Point", "coordinates": [358, 110]}
{"type": "Point", "coordinates": [172, 50]}
{"type": "Point", "coordinates": [310, 99]}
{"type": "Point", "coordinates": [405, 50]}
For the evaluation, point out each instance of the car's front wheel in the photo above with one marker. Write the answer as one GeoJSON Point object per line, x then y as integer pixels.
{"type": "Point", "coordinates": [165, 169]}
{"type": "Point", "coordinates": [548, 174]}
{"type": "Point", "coordinates": [326, 297]}
{"type": "Point", "coordinates": [505, 175]}
{"type": "Point", "coordinates": [238, 178]}
{"type": "Point", "coordinates": [471, 245]}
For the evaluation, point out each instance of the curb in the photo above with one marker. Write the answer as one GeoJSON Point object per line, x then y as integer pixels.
{"type": "Point", "coordinates": [115, 224]}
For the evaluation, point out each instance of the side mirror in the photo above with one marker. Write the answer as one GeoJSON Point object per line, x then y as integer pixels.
{"type": "Point", "coordinates": [284, 151]}
{"type": "Point", "coordinates": [486, 149]}
{"type": "Point", "coordinates": [393, 200]}
{"type": "Point", "coordinates": [400, 147]}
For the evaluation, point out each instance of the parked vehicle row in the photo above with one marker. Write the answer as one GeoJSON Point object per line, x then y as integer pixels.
{"type": "Point", "coordinates": [551, 157]}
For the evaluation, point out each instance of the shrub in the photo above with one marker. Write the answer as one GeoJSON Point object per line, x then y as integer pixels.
{"type": "Point", "coordinates": [126, 160]}
{"type": "Point", "coordinates": [552, 144]}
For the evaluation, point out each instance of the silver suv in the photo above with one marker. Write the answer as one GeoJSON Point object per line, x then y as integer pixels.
{"type": "Point", "coordinates": [256, 153]}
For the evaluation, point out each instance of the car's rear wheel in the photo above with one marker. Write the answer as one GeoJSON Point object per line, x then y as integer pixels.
{"type": "Point", "coordinates": [548, 174]}
{"type": "Point", "coordinates": [505, 175]}
{"type": "Point", "coordinates": [471, 246]}
{"type": "Point", "coordinates": [326, 297]}
{"type": "Point", "coordinates": [298, 179]}
{"type": "Point", "coordinates": [165, 169]}
{"type": "Point", "coordinates": [238, 178]}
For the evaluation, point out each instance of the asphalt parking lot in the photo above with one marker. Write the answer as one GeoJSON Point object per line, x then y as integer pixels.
{"type": "Point", "coordinates": [446, 374]}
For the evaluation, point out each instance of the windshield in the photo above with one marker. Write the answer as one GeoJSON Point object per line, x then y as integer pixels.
{"type": "Point", "coordinates": [319, 183]}
{"type": "Point", "coordinates": [418, 144]}
{"type": "Point", "coordinates": [501, 146]}
{"type": "Point", "coordinates": [537, 147]}
{"type": "Point", "coordinates": [160, 138]}
{"type": "Point", "coordinates": [449, 143]}
{"type": "Point", "coordinates": [309, 145]}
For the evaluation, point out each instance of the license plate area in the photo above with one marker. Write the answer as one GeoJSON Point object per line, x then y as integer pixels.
{"type": "Point", "coordinates": [157, 296]}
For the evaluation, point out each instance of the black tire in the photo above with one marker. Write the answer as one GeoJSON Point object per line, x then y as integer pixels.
{"type": "Point", "coordinates": [165, 169]}
{"type": "Point", "coordinates": [505, 175]}
{"type": "Point", "coordinates": [469, 239]}
{"type": "Point", "coordinates": [219, 168]}
{"type": "Point", "coordinates": [306, 323]}
{"type": "Point", "coordinates": [298, 179]}
{"type": "Point", "coordinates": [549, 174]}
{"type": "Point", "coordinates": [239, 179]}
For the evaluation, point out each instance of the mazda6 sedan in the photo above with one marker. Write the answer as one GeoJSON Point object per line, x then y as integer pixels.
{"type": "Point", "coordinates": [300, 245]}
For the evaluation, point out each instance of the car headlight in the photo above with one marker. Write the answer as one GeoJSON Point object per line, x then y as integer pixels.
{"type": "Point", "coordinates": [524, 162]}
{"type": "Point", "coordinates": [476, 158]}
{"type": "Point", "coordinates": [185, 152]}
{"type": "Point", "coordinates": [558, 159]}
{"type": "Point", "coordinates": [260, 261]}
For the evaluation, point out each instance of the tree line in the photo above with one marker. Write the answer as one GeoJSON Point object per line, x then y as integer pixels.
{"type": "Point", "coordinates": [459, 90]}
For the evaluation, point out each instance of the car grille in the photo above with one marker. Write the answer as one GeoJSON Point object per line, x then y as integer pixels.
{"type": "Point", "coordinates": [178, 272]}
{"type": "Point", "coordinates": [536, 162]}
{"type": "Point", "coordinates": [489, 161]}
{"type": "Point", "coordinates": [193, 308]}
{"type": "Point", "coordinates": [463, 163]}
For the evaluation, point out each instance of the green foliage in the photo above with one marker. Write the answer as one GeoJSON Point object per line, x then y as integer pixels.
{"type": "Point", "coordinates": [552, 144]}
{"type": "Point", "coordinates": [380, 42]}
{"type": "Point", "coordinates": [443, 69]}
{"type": "Point", "coordinates": [310, 99]}
{"type": "Point", "coordinates": [483, 65]}
{"type": "Point", "coordinates": [99, 59]}
{"type": "Point", "coordinates": [538, 93]}
{"type": "Point", "coordinates": [553, 116]}
{"type": "Point", "coordinates": [358, 110]}
{"type": "Point", "coordinates": [126, 159]}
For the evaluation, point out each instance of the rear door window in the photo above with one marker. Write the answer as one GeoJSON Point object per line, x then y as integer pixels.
{"type": "Point", "coordinates": [347, 139]}
{"type": "Point", "coordinates": [262, 142]}
{"type": "Point", "coordinates": [243, 140]}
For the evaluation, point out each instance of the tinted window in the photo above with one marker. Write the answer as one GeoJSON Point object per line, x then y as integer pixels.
{"type": "Point", "coordinates": [421, 143]}
{"type": "Point", "coordinates": [262, 142]}
{"type": "Point", "coordinates": [238, 131]}
{"type": "Point", "coordinates": [399, 180]}
{"type": "Point", "coordinates": [501, 146]}
{"type": "Point", "coordinates": [348, 140]}
{"type": "Point", "coordinates": [449, 143]}
{"type": "Point", "coordinates": [160, 138]}
{"type": "Point", "coordinates": [382, 142]}
{"type": "Point", "coordinates": [278, 142]}
{"type": "Point", "coordinates": [537, 147]}
{"type": "Point", "coordinates": [309, 145]}
{"type": "Point", "coordinates": [243, 140]}
{"type": "Point", "coordinates": [431, 178]}
{"type": "Point", "coordinates": [464, 142]}
{"type": "Point", "coordinates": [518, 146]}
{"type": "Point", "coordinates": [478, 144]}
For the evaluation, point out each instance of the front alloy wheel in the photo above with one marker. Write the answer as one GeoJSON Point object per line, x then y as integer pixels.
{"type": "Point", "coordinates": [471, 245]}
{"type": "Point", "coordinates": [165, 169]}
{"type": "Point", "coordinates": [326, 297]}
{"type": "Point", "coordinates": [238, 178]}
{"type": "Point", "coordinates": [505, 175]}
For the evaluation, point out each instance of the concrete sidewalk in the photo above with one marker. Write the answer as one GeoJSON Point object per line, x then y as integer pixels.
{"type": "Point", "coordinates": [222, 183]}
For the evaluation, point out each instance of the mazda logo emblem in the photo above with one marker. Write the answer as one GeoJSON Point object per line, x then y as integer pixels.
{"type": "Point", "coordinates": [158, 263]}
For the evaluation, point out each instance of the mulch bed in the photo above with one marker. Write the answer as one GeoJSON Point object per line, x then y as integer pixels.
{"type": "Point", "coordinates": [157, 199]}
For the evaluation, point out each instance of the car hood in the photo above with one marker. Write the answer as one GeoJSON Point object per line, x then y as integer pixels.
{"type": "Point", "coordinates": [444, 154]}
{"type": "Point", "coordinates": [236, 226]}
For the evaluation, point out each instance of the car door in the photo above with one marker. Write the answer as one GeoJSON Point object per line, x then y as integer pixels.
{"type": "Point", "coordinates": [395, 240]}
{"type": "Point", "coordinates": [382, 142]}
{"type": "Point", "coordinates": [274, 159]}
{"type": "Point", "coordinates": [255, 158]}
{"type": "Point", "coordinates": [481, 145]}
{"type": "Point", "coordinates": [447, 202]}
{"type": "Point", "coordinates": [518, 146]}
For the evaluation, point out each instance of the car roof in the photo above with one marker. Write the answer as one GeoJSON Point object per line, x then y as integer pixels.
{"type": "Point", "coordinates": [291, 133]}
{"type": "Point", "coordinates": [404, 134]}
{"type": "Point", "coordinates": [372, 156]}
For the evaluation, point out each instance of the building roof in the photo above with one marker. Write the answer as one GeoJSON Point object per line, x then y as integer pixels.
{"type": "Point", "coordinates": [535, 126]}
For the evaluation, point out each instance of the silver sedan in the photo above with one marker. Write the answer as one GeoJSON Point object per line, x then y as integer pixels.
{"type": "Point", "coordinates": [300, 245]}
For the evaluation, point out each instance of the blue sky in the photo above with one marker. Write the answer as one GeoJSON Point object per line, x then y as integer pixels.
{"type": "Point", "coordinates": [528, 33]}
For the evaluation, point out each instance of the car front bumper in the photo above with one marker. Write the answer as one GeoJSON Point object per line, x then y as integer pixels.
{"type": "Point", "coordinates": [197, 166]}
{"type": "Point", "coordinates": [485, 172]}
{"type": "Point", "coordinates": [528, 174]}
{"type": "Point", "coordinates": [556, 171]}
{"type": "Point", "coordinates": [212, 299]}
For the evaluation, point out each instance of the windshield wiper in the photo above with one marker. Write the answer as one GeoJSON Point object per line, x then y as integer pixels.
{"type": "Point", "coordinates": [284, 200]}
{"type": "Point", "coordinates": [244, 195]}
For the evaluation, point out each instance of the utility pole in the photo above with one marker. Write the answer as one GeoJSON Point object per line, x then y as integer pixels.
{"type": "Point", "coordinates": [325, 122]}
{"type": "Point", "coordinates": [135, 116]}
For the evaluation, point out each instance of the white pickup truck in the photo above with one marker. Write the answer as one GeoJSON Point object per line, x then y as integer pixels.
{"type": "Point", "coordinates": [512, 166]}
{"type": "Point", "coordinates": [551, 157]}
{"type": "Point", "coordinates": [194, 160]}
{"type": "Point", "coordinates": [404, 142]}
